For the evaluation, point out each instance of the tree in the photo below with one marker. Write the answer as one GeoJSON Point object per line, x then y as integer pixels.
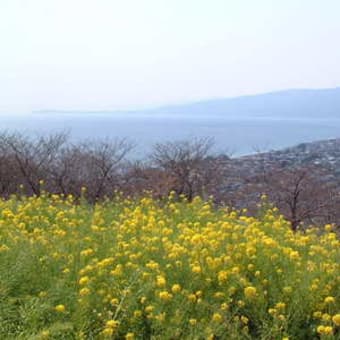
{"type": "Point", "coordinates": [302, 196]}
{"type": "Point", "coordinates": [95, 165]}
{"type": "Point", "coordinates": [32, 156]}
{"type": "Point", "coordinates": [188, 165]}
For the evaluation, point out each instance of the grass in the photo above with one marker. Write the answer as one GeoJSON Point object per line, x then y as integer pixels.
{"type": "Point", "coordinates": [144, 269]}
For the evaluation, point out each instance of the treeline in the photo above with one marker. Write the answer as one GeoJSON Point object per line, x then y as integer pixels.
{"type": "Point", "coordinates": [55, 164]}
{"type": "Point", "coordinates": [30, 164]}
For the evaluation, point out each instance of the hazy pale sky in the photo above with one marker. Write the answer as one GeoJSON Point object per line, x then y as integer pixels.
{"type": "Point", "coordinates": [111, 54]}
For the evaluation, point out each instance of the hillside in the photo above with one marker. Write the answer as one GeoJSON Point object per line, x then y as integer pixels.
{"type": "Point", "coordinates": [319, 103]}
{"type": "Point", "coordinates": [137, 269]}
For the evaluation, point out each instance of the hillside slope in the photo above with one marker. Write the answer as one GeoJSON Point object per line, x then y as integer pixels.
{"type": "Point", "coordinates": [324, 103]}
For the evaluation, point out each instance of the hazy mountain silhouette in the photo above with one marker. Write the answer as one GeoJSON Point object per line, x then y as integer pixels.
{"type": "Point", "coordinates": [324, 103]}
{"type": "Point", "coordinates": [300, 103]}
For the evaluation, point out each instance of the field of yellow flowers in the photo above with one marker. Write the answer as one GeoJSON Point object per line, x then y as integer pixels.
{"type": "Point", "coordinates": [145, 269]}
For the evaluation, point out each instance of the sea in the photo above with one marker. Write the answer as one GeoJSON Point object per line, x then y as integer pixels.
{"type": "Point", "coordinates": [233, 136]}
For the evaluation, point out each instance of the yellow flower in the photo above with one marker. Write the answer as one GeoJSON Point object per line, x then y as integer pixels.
{"type": "Point", "coordinates": [250, 292]}
{"type": "Point", "coordinates": [317, 315]}
{"type": "Point", "coordinates": [280, 305]}
{"type": "Point", "coordinates": [224, 306]}
{"type": "Point", "coordinates": [84, 280]}
{"type": "Point", "coordinates": [199, 293]}
{"type": "Point", "coordinates": [241, 303]}
{"type": "Point", "coordinates": [272, 311]}
{"type": "Point", "coordinates": [250, 267]}
{"type": "Point", "coordinates": [327, 330]}
{"type": "Point", "coordinates": [114, 301]}
{"type": "Point", "coordinates": [60, 308]}
{"type": "Point", "coordinates": [42, 294]}
{"type": "Point", "coordinates": [329, 299]}
{"type": "Point", "coordinates": [107, 331]}
{"type": "Point", "coordinates": [160, 317]}
{"type": "Point", "coordinates": [336, 319]}
{"type": "Point", "coordinates": [160, 281]}
{"type": "Point", "coordinates": [328, 227]}
{"type": "Point", "coordinates": [112, 324]}
{"type": "Point", "coordinates": [192, 297]}
{"type": "Point", "coordinates": [219, 295]}
{"type": "Point", "coordinates": [137, 313]}
{"type": "Point", "coordinates": [222, 276]}
{"type": "Point", "coordinates": [129, 336]}
{"type": "Point", "coordinates": [193, 322]}
{"type": "Point", "coordinates": [149, 308]}
{"type": "Point", "coordinates": [86, 252]}
{"type": "Point", "coordinates": [176, 288]}
{"type": "Point", "coordinates": [281, 317]}
{"type": "Point", "coordinates": [217, 317]}
{"type": "Point", "coordinates": [84, 291]}
{"type": "Point", "coordinates": [244, 320]}
{"type": "Point", "coordinates": [326, 317]}
{"type": "Point", "coordinates": [294, 255]}
{"type": "Point", "coordinates": [196, 269]}
{"type": "Point", "coordinates": [164, 295]}
{"type": "Point", "coordinates": [235, 270]}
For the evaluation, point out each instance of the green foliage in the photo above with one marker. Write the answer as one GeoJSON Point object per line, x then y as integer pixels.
{"type": "Point", "coordinates": [140, 269]}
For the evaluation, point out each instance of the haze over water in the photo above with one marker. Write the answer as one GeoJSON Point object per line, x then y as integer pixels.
{"type": "Point", "coordinates": [110, 55]}
{"type": "Point", "coordinates": [237, 136]}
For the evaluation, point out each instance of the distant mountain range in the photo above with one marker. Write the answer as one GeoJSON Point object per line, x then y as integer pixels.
{"type": "Point", "coordinates": [300, 103]}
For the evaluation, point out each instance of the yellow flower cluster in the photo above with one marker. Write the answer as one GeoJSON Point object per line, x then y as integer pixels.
{"type": "Point", "coordinates": [140, 268]}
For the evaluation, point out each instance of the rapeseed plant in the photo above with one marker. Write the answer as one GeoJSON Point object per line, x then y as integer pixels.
{"type": "Point", "coordinates": [131, 269]}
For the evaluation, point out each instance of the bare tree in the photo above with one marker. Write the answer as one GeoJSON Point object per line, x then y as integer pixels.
{"type": "Point", "coordinates": [32, 156]}
{"type": "Point", "coordinates": [188, 164]}
{"type": "Point", "coordinates": [67, 172]}
{"type": "Point", "coordinates": [63, 167]}
{"type": "Point", "coordinates": [140, 178]}
{"type": "Point", "coordinates": [95, 165]}
{"type": "Point", "coordinates": [9, 175]}
{"type": "Point", "coordinates": [104, 160]}
{"type": "Point", "coordinates": [302, 196]}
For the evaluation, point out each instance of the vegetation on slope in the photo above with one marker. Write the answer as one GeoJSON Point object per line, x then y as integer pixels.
{"type": "Point", "coordinates": [133, 269]}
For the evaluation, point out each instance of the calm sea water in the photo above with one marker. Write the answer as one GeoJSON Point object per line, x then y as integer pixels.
{"type": "Point", "coordinates": [232, 135]}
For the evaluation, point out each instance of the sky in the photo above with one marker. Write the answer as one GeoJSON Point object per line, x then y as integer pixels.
{"type": "Point", "coordinates": [122, 54]}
